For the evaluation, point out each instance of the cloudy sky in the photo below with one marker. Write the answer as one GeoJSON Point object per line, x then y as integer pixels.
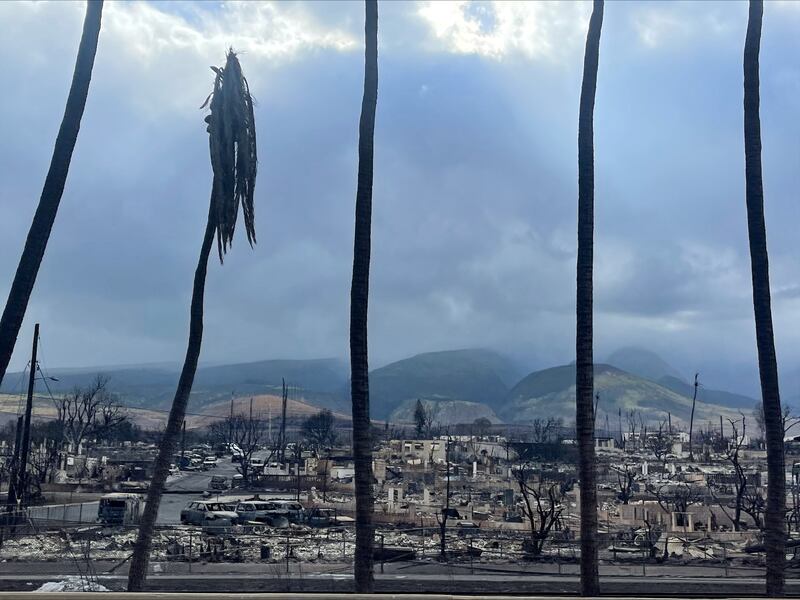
{"type": "Point", "coordinates": [475, 180]}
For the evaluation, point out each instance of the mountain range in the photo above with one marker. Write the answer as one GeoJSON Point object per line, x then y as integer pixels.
{"type": "Point", "coordinates": [461, 386]}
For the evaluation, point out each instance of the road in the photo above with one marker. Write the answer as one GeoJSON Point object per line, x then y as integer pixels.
{"type": "Point", "coordinates": [198, 481]}
{"type": "Point", "coordinates": [399, 578]}
{"type": "Point", "coordinates": [190, 485]}
{"type": "Point", "coordinates": [179, 491]}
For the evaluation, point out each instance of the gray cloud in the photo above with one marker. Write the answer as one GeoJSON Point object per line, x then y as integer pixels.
{"type": "Point", "coordinates": [475, 192]}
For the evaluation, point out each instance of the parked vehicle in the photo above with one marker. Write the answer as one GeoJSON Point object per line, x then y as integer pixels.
{"type": "Point", "coordinates": [209, 514]}
{"type": "Point", "coordinates": [218, 483]}
{"type": "Point", "coordinates": [189, 462]}
{"type": "Point", "coordinates": [210, 462]}
{"type": "Point", "coordinates": [327, 517]}
{"type": "Point", "coordinates": [260, 511]}
{"type": "Point", "coordinates": [119, 509]}
{"type": "Point", "coordinates": [294, 511]}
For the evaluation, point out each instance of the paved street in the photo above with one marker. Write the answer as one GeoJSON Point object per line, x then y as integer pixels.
{"type": "Point", "coordinates": [180, 490]}
{"type": "Point", "coordinates": [198, 481]}
{"type": "Point", "coordinates": [271, 577]}
{"type": "Point", "coordinates": [189, 485]}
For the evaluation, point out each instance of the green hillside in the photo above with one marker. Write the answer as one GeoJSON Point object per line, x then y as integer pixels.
{"type": "Point", "coordinates": [467, 375]}
{"type": "Point", "coordinates": [445, 412]}
{"type": "Point", "coordinates": [649, 365]}
{"type": "Point", "coordinates": [551, 393]}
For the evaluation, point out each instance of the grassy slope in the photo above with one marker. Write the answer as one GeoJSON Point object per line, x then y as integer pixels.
{"type": "Point", "coordinates": [551, 392]}
{"type": "Point", "coordinates": [448, 412]}
{"type": "Point", "coordinates": [466, 375]}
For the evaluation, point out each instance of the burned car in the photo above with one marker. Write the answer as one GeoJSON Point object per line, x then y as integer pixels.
{"type": "Point", "coordinates": [261, 512]}
{"type": "Point", "coordinates": [328, 517]}
{"type": "Point", "coordinates": [210, 514]}
{"type": "Point", "coordinates": [293, 510]}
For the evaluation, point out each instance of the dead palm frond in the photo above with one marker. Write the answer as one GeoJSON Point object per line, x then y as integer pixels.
{"type": "Point", "coordinates": [232, 145]}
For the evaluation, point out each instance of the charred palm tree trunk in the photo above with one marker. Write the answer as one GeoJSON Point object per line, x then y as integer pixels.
{"type": "Point", "coordinates": [137, 573]}
{"type": "Point", "coordinates": [775, 527]}
{"type": "Point", "coordinates": [232, 145]}
{"type": "Point", "coordinates": [45, 215]}
{"type": "Point", "coordinates": [584, 360]}
{"type": "Point", "coordinates": [359, 297]}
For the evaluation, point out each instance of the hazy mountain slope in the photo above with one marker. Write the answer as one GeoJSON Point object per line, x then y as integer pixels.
{"type": "Point", "coordinates": [551, 392]}
{"type": "Point", "coordinates": [642, 363]}
{"type": "Point", "coordinates": [649, 365]}
{"type": "Point", "coordinates": [264, 407]}
{"type": "Point", "coordinates": [470, 375]}
{"type": "Point", "coordinates": [321, 375]}
{"type": "Point", "coordinates": [709, 396]}
{"type": "Point", "coordinates": [446, 412]}
{"type": "Point", "coordinates": [318, 380]}
{"type": "Point", "coordinates": [466, 375]}
{"type": "Point", "coordinates": [135, 385]}
{"type": "Point", "coordinates": [790, 388]}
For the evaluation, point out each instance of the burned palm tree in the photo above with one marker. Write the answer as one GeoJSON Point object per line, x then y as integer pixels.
{"type": "Point", "coordinates": [359, 297]}
{"type": "Point", "coordinates": [584, 359]}
{"type": "Point", "coordinates": [49, 201]}
{"type": "Point", "coordinates": [232, 145]}
{"type": "Point", "coordinates": [774, 521]}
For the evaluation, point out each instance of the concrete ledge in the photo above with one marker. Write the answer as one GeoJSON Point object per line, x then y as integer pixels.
{"type": "Point", "coordinates": [293, 596]}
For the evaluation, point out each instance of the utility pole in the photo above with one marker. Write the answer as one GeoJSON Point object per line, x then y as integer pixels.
{"type": "Point", "coordinates": [691, 418]}
{"type": "Point", "coordinates": [230, 424]}
{"type": "Point", "coordinates": [282, 438]}
{"type": "Point", "coordinates": [22, 486]}
{"type": "Point", "coordinates": [446, 508]}
{"type": "Point", "coordinates": [298, 455]}
{"type": "Point", "coordinates": [269, 423]}
{"type": "Point", "coordinates": [250, 432]}
{"type": "Point", "coordinates": [11, 500]}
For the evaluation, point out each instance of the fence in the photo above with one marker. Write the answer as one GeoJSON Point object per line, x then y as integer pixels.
{"type": "Point", "coordinates": [484, 550]}
{"type": "Point", "coordinates": [63, 515]}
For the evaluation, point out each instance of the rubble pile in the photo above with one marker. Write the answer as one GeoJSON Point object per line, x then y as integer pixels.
{"type": "Point", "coordinates": [41, 547]}
{"type": "Point", "coordinates": [72, 583]}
